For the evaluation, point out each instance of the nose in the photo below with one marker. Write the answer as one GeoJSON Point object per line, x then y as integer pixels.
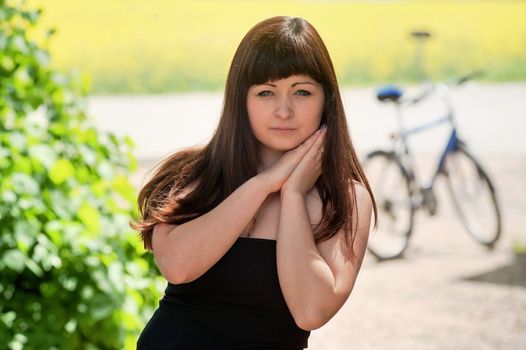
{"type": "Point", "coordinates": [284, 108]}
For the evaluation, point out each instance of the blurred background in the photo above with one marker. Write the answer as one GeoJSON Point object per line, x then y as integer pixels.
{"type": "Point", "coordinates": [165, 46]}
{"type": "Point", "coordinates": [147, 77]}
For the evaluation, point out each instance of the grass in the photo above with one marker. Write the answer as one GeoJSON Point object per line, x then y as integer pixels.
{"type": "Point", "coordinates": [134, 46]}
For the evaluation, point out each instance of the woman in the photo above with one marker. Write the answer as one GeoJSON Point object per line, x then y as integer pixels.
{"type": "Point", "coordinates": [261, 233]}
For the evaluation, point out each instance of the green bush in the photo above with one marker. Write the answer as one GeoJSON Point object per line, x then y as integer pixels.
{"type": "Point", "coordinates": [72, 273]}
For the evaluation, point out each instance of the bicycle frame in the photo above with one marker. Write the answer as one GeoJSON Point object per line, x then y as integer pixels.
{"type": "Point", "coordinates": [401, 147]}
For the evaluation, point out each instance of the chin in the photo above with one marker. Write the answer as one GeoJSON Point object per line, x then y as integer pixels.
{"type": "Point", "coordinates": [286, 147]}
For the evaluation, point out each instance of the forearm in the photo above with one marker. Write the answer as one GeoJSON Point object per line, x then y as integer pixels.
{"type": "Point", "coordinates": [190, 249]}
{"type": "Point", "coordinates": [306, 280]}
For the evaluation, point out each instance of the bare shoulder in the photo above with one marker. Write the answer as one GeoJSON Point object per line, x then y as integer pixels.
{"type": "Point", "coordinates": [362, 212]}
{"type": "Point", "coordinates": [162, 228]}
{"type": "Point", "coordinates": [363, 198]}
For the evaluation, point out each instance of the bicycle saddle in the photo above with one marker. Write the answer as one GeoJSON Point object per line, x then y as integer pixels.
{"type": "Point", "coordinates": [388, 93]}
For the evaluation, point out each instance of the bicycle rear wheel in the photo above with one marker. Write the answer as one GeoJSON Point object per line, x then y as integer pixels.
{"type": "Point", "coordinates": [391, 187]}
{"type": "Point", "coordinates": [473, 196]}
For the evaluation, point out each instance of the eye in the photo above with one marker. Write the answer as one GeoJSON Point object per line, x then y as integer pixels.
{"type": "Point", "coordinates": [303, 93]}
{"type": "Point", "coordinates": [265, 93]}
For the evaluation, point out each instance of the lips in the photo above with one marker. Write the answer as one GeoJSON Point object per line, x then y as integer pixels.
{"type": "Point", "coordinates": [283, 129]}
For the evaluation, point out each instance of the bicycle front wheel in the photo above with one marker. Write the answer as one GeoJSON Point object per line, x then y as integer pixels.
{"type": "Point", "coordinates": [473, 196]}
{"type": "Point", "coordinates": [391, 187]}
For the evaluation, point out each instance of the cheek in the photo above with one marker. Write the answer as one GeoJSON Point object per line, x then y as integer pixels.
{"type": "Point", "coordinates": [252, 118]}
{"type": "Point", "coordinates": [252, 115]}
{"type": "Point", "coordinates": [317, 107]}
{"type": "Point", "coordinates": [316, 112]}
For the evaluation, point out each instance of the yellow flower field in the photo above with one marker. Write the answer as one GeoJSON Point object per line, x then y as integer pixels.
{"type": "Point", "coordinates": [135, 46]}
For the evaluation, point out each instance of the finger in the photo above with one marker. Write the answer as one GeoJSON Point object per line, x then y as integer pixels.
{"type": "Point", "coordinates": [304, 148]}
{"type": "Point", "coordinates": [318, 143]}
{"type": "Point", "coordinates": [319, 155]}
{"type": "Point", "coordinates": [314, 137]}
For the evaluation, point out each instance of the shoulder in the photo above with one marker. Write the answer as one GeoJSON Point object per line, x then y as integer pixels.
{"type": "Point", "coordinates": [361, 197]}
{"type": "Point", "coordinates": [362, 210]}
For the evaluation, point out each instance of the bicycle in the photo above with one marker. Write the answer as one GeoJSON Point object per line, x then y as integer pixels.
{"type": "Point", "coordinates": [400, 193]}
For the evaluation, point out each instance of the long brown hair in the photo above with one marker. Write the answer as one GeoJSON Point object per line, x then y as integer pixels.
{"type": "Point", "coordinates": [273, 49]}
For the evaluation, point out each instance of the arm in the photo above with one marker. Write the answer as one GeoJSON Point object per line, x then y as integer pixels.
{"type": "Point", "coordinates": [185, 252]}
{"type": "Point", "coordinates": [316, 279]}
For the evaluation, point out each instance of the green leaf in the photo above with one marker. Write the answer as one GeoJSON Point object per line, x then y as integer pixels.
{"type": "Point", "coordinates": [88, 155]}
{"type": "Point", "coordinates": [71, 326]}
{"type": "Point", "coordinates": [115, 273]}
{"type": "Point", "coordinates": [5, 162]}
{"type": "Point", "coordinates": [59, 204]}
{"type": "Point", "coordinates": [8, 196]}
{"type": "Point", "coordinates": [23, 183]}
{"type": "Point", "coordinates": [54, 230]}
{"type": "Point", "coordinates": [14, 259]}
{"type": "Point", "coordinates": [106, 170]}
{"type": "Point", "coordinates": [44, 154]}
{"type": "Point", "coordinates": [20, 44]}
{"type": "Point", "coordinates": [129, 141]}
{"type": "Point", "coordinates": [17, 141]}
{"type": "Point", "coordinates": [7, 63]}
{"type": "Point", "coordinates": [61, 171]}
{"type": "Point", "coordinates": [133, 164]}
{"type": "Point", "coordinates": [8, 318]}
{"type": "Point", "coordinates": [43, 57]}
{"type": "Point", "coordinates": [90, 217]}
{"type": "Point", "coordinates": [122, 185]}
{"type": "Point", "coordinates": [24, 235]}
{"type": "Point", "coordinates": [33, 267]}
{"type": "Point", "coordinates": [23, 165]}
{"type": "Point", "coordinates": [101, 307]}
{"type": "Point", "coordinates": [21, 80]}
{"type": "Point", "coordinates": [58, 97]}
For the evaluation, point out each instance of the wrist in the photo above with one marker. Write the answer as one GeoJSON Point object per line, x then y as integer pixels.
{"type": "Point", "coordinates": [263, 183]}
{"type": "Point", "coordinates": [287, 190]}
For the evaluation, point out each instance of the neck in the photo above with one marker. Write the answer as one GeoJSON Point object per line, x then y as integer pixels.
{"type": "Point", "coordinates": [267, 158]}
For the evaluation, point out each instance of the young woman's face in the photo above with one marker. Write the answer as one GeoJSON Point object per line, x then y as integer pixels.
{"type": "Point", "coordinates": [284, 113]}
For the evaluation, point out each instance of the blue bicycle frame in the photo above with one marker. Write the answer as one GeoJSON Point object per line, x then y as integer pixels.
{"type": "Point", "coordinates": [451, 145]}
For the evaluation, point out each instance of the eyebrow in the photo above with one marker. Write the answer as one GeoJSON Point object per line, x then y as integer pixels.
{"type": "Point", "coordinates": [293, 85]}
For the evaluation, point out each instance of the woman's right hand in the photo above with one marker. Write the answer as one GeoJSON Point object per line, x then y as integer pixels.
{"type": "Point", "coordinates": [278, 173]}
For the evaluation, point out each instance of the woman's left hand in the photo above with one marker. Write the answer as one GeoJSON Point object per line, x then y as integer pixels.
{"type": "Point", "coordinates": [304, 176]}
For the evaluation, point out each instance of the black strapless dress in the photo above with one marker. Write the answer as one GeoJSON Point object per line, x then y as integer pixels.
{"type": "Point", "coordinates": [237, 304]}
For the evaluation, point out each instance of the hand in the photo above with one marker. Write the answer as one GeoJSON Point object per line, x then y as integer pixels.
{"type": "Point", "coordinates": [309, 169]}
{"type": "Point", "coordinates": [278, 173]}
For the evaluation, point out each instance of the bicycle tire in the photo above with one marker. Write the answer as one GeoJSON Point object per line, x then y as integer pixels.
{"type": "Point", "coordinates": [391, 186]}
{"type": "Point", "coordinates": [469, 187]}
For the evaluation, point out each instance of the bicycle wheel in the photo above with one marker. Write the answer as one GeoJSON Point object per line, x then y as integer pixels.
{"type": "Point", "coordinates": [391, 187]}
{"type": "Point", "coordinates": [473, 196]}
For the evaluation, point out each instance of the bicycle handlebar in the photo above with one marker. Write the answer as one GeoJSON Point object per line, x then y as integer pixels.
{"type": "Point", "coordinates": [429, 87]}
{"type": "Point", "coordinates": [425, 92]}
{"type": "Point", "coordinates": [468, 77]}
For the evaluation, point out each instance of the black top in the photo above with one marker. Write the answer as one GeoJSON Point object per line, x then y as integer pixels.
{"type": "Point", "coordinates": [237, 304]}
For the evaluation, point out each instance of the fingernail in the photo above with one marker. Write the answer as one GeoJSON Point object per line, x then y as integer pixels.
{"type": "Point", "coordinates": [324, 126]}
